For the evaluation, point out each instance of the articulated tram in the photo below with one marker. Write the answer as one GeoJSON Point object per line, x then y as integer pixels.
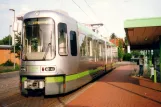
{"type": "Point", "coordinates": [58, 53]}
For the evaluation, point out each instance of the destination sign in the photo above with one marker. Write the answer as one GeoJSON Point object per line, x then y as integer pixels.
{"type": "Point", "coordinates": [38, 21]}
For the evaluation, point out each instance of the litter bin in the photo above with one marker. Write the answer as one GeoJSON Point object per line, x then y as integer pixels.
{"type": "Point", "coordinates": [151, 71]}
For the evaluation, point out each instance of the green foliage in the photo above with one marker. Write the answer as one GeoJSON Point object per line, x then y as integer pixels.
{"type": "Point", "coordinates": [34, 42]}
{"type": "Point", "coordinates": [120, 50]}
{"type": "Point", "coordinates": [6, 40]}
{"type": "Point", "coordinates": [136, 53]}
{"type": "Point", "coordinates": [6, 70]}
{"type": "Point", "coordinates": [1, 42]}
{"type": "Point", "coordinates": [8, 63]}
{"type": "Point", "coordinates": [120, 53]}
{"type": "Point", "coordinates": [17, 67]}
{"type": "Point", "coordinates": [8, 67]}
{"type": "Point", "coordinates": [113, 36]}
{"type": "Point", "coordinates": [156, 52]}
{"type": "Point", "coordinates": [127, 57]}
{"type": "Point", "coordinates": [126, 41]}
{"type": "Point", "coordinates": [17, 46]}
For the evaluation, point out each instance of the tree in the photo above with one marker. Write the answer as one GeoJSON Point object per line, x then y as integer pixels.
{"type": "Point", "coordinates": [126, 41]}
{"type": "Point", "coordinates": [113, 36]}
{"type": "Point", "coordinates": [6, 40]}
{"type": "Point", "coordinates": [17, 45]}
{"type": "Point", "coordinates": [136, 53]}
{"type": "Point", "coordinates": [120, 51]}
{"type": "Point", "coordinates": [127, 56]}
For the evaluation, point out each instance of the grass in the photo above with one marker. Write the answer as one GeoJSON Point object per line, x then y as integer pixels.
{"type": "Point", "coordinates": [4, 69]}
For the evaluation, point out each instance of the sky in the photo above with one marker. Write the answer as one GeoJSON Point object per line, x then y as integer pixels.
{"type": "Point", "coordinates": [112, 13]}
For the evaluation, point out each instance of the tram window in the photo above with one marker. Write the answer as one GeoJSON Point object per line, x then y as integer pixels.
{"type": "Point", "coordinates": [85, 45]}
{"type": "Point", "coordinates": [90, 52]}
{"type": "Point", "coordinates": [82, 39]}
{"type": "Point", "coordinates": [62, 38]}
{"type": "Point", "coordinates": [103, 51]}
{"type": "Point", "coordinates": [89, 46]}
{"type": "Point", "coordinates": [100, 49]}
{"type": "Point", "coordinates": [73, 43]}
{"type": "Point", "coordinates": [95, 48]}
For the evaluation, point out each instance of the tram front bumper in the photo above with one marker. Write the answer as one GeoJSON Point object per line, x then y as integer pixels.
{"type": "Point", "coordinates": [51, 85]}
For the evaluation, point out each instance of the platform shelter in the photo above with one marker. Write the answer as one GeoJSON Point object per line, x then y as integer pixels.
{"type": "Point", "coordinates": [145, 34]}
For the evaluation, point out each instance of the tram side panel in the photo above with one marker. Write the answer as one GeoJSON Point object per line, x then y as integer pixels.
{"type": "Point", "coordinates": [90, 65]}
{"type": "Point", "coordinates": [67, 62]}
{"type": "Point", "coordinates": [71, 82]}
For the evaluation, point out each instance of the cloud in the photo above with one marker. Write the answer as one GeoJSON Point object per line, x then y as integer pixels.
{"type": "Point", "coordinates": [6, 6]}
{"type": "Point", "coordinates": [111, 14]}
{"type": "Point", "coordinates": [3, 6]}
{"type": "Point", "coordinates": [24, 10]}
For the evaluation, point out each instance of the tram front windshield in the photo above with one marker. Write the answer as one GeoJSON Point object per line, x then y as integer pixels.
{"type": "Point", "coordinates": [38, 39]}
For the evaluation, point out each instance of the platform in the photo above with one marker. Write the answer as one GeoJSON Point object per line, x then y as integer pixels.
{"type": "Point", "coordinates": [119, 89]}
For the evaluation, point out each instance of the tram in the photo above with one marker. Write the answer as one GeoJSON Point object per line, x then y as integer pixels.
{"type": "Point", "coordinates": [58, 53]}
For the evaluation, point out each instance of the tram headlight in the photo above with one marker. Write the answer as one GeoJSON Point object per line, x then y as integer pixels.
{"type": "Point", "coordinates": [52, 69]}
{"type": "Point", "coordinates": [49, 68]}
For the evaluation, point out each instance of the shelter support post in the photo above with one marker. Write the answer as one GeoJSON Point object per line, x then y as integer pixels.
{"type": "Point", "coordinates": [155, 77]}
{"type": "Point", "coordinates": [150, 59]}
{"type": "Point", "coordinates": [150, 62]}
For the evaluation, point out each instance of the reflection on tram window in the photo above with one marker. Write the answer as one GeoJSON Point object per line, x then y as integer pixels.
{"type": "Point", "coordinates": [62, 38]}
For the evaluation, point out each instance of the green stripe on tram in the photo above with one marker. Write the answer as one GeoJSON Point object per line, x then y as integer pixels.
{"type": "Point", "coordinates": [82, 74]}
{"type": "Point", "coordinates": [54, 79]}
{"type": "Point", "coordinates": [76, 76]}
{"type": "Point", "coordinates": [23, 79]}
{"type": "Point", "coordinates": [72, 77]}
{"type": "Point", "coordinates": [68, 77]}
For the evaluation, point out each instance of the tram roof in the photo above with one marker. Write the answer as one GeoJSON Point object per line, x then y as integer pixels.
{"type": "Point", "coordinates": [85, 30]}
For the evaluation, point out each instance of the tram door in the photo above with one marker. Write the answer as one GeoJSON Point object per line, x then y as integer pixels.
{"type": "Point", "coordinates": [67, 47]}
{"type": "Point", "coordinates": [73, 59]}
{"type": "Point", "coordinates": [73, 48]}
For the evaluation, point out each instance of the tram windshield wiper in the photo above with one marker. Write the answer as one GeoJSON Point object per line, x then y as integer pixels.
{"type": "Point", "coordinates": [46, 51]}
{"type": "Point", "coordinates": [49, 46]}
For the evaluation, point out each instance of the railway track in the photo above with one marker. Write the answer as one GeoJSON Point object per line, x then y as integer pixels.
{"type": "Point", "coordinates": [10, 95]}
{"type": "Point", "coordinates": [13, 99]}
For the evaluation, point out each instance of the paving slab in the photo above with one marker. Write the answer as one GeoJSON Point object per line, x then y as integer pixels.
{"type": "Point", "coordinates": [119, 89]}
